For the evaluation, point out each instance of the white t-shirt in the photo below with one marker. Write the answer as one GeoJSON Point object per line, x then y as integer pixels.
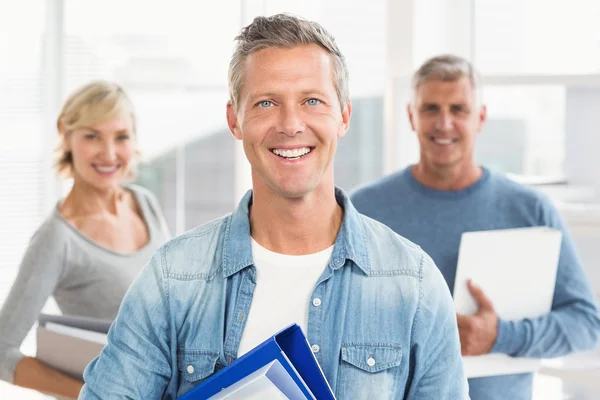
{"type": "Point", "coordinates": [284, 285]}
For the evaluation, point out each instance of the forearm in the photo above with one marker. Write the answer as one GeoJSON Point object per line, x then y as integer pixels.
{"type": "Point", "coordinates": [137, 362]}
{"type": "Point", "coordinates": [33, 374]}
{"type": "Point", "coordinates": [556, 334]}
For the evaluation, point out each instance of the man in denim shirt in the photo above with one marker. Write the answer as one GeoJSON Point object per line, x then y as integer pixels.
{"type": "Point", "coordinates": [376, 310]}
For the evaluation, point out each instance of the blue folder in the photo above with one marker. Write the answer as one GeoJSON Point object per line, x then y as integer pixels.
{"type": "Point", "coordinates": [290, 347]}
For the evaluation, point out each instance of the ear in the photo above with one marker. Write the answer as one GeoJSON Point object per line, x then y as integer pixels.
{"type": "Point", "coordinates": [482, 117]}
{"type": "Point", "coordinates": [62, 131]}
{"type": "Point", "coordinates": [409, 110]}
{"type": "Point", "coordinates": [346, 115]}
{"type": "Point", "coordinates": [232, 121]}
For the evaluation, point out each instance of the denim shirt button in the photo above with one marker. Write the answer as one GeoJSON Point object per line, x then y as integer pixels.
{"type": "Point", "coordinates": [371, 362]}
{"type": "Point", "coordinates": [317, 302]}
{"type": "Point", "coordinates": [315, 348]}
{"type": "Point", "coordinates": [190, 369]}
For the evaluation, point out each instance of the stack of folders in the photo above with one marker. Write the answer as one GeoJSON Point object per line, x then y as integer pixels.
{"type": "Point", "coordinates": [70, 343]}
{"type": "Point", "coordinates": [282, 367]}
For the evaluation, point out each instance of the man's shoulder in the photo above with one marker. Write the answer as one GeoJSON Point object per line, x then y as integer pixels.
{"type": "Point", "coordinates": [374, 190]}
{"type": "Point", "coordinates": [197, 253]}
{"type": "Point", "coordinates": [519, 192]}
{"type": "Point", "coordinates": [392, 255]}
{"type": "Point", "coordinates": [389, 252]}
{"type": "Point", "coordinates": [510, 186]}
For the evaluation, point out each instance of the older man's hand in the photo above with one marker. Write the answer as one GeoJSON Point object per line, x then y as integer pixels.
{"type": "Point", "coordinates": [478, 332]}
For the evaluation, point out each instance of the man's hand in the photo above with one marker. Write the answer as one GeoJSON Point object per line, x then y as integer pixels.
{"type": "Point", "coordinates": [478, 332]}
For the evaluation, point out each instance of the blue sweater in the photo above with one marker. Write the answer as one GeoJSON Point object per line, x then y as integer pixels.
{"type": "Point", "coordinates": [436, 219]}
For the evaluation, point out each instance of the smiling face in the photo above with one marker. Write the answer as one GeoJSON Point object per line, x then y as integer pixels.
{"type": "Point", "coordinates": [447, 118]}
{"type": "Point", "coordinates": [102, 153]}
{"type": "Point", "coordinates": [289, 119]}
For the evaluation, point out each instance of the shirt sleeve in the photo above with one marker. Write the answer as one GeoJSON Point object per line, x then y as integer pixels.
{"type": "Point", "coordinates": [136, 362]}
{"type": "Point", "coordinates": [572, 325]}
{"type": "Point", "coordinates": [40, 272]}
{"type": "Point", "coordinates": [436, 363]}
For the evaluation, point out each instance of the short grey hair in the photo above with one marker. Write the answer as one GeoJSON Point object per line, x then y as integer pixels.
{"type": "Point", "coordinates": [446, 68]}
{"type": "Point", "coordinates": [284, 31]}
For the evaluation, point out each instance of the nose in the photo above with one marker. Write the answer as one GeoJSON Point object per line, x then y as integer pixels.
{"type": "Point", "coordinates": [109, 150]}
{"type": "Point", "coordinates": [290, 121]}
{"type": "Point", "coordinates": [444, 122]}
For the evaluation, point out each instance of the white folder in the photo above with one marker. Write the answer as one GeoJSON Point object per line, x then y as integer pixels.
{"type": "Point", "coordinates": [516, 269]}
{"type": "Point", "coordinates": [70, 343]}
{"type": "Point", "coordinates": [271, 382]}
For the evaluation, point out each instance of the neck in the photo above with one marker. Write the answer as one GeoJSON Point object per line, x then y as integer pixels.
{"type": "Point", "coordinates": [451, 178]}
{"type": "Point", "coordinates": [295, 226]}
{"type": "Point", "coordinates": [84, 199]}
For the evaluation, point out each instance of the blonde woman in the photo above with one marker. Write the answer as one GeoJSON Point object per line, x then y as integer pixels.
{"type": "Point", "coordinates": [95, 241]}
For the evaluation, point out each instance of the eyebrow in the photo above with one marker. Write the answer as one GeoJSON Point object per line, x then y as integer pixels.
{"type": "Point", "coordinates": [96, 131]}
{"type": "Point", "coordinates": [87, 128]}
{"type": "Point", "coordinates": [253, 96]}
{"type": "Point", "coordinates": [437, 105]}
{"type": "Point", "coordinates": [313, 92]}
{"type": "Point", "coordinates": [310, 92]}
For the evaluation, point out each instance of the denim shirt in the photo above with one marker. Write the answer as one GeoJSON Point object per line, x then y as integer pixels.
{"type": "Point", "coordinates": [382, 298]}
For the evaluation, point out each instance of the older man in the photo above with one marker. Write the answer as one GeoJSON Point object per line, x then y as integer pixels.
{"type": "Point", "coordinates": [447, 193]}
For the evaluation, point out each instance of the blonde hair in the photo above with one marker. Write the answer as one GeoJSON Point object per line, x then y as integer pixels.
{"type": "Point", "coordinates": [284, 31]}
{"type": "Point", "coordinates": [91, 104]}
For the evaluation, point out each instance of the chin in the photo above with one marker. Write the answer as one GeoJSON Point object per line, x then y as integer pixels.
{"type": "Point", "coordinates": [292, 193]}
{"type": "Point", "coordinates": [444, 160]}
{"type": "Point", "coordinates": [288, 186]}
{"type": "Point", "coordinates": [104, 184]}
{"type": "Point", "coordinates": [295, 190]}
{"type": "Point", "coordinates": [445, 164]}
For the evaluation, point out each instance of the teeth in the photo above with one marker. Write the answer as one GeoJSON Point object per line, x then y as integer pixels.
{"type": "Point", "coordinates": [106, 169]}
{"type": "Point", "coordinates": [443, 141]}
{"type": "Point", "coordinates": [295, 153]}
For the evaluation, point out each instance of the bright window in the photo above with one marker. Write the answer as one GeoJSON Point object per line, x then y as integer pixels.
{"type": "Point", "coordinates": [537, 36]}
{"type": "Point", "coordinates": [176, 74]}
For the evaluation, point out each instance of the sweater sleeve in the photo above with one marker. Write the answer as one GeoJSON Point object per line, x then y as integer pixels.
{"type": "Point", "coordinates": [39, 273]}
{"type": "Point", "coordinates": [572, 325]}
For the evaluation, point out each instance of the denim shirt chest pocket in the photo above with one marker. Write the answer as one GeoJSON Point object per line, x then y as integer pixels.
{"type": "Point", "coordinates": [195, 366]}
{"type": "Point", "coordinates": [369, 370]}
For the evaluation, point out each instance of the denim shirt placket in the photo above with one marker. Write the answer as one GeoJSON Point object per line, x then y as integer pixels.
{"type": "Point", "coordinates": [315, 313]}
{"type": "Point", "coordinates": [235, 328]}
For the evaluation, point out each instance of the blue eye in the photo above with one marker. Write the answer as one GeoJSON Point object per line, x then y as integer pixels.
{"type": "Point", "coordinates": [265, 104]}
{"type": "Point", "coordinates": [313, 102]}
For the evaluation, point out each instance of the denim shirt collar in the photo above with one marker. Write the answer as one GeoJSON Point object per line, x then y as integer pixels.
{"type": "Point", "coordinates": [350, 243]}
